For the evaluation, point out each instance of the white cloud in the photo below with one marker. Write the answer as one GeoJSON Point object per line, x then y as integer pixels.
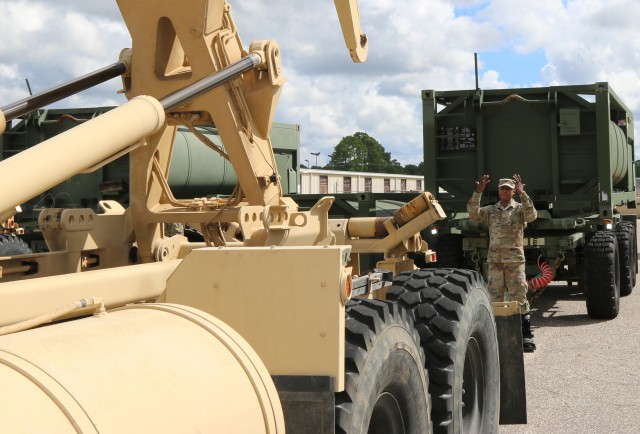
{"type": "Point", "coordinates": [491, 80]}
{"type": "Point", "coordinates": [53, 43]}
{"type": "Point", "coordinates": [413, 46]}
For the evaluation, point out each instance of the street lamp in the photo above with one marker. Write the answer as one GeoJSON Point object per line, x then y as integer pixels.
{"type": "Point", "coordinates": [316, 154]}
{"type": "Point", "coordinates": [307, 161]}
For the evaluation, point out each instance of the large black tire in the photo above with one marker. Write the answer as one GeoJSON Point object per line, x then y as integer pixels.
{"type": "Point", "coordinates": [602, 280]}
{"type": "Point", "coordinates": [386, 386]}
{"type": "Point", "coordinates": [454, 316]}
{"type": "Point", "coordinates": [10, 245]}
{"type": "Point", "coordinates": [625, 237]}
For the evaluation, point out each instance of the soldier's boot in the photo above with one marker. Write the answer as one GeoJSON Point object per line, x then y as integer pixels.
{"type": "Point", "coordinates": [528, 345]}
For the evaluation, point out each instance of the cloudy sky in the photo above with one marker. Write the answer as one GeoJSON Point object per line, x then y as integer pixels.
{"type": "Point", "coordinates": [414, 45]}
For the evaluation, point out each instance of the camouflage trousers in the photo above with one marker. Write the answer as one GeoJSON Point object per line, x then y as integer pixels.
{"type": "Point", "coordinates": [508, 282]}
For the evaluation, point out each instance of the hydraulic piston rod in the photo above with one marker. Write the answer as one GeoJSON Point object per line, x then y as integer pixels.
{"type": "Point", "coordinates": [62, 91]}
{"type": "Point", "coordinates": [191, 92]}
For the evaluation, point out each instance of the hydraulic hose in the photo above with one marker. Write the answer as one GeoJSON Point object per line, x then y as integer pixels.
{"type": "Point", "coordinates": [93, 303]}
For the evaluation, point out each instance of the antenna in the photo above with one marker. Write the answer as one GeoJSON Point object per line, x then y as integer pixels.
{"type": "Point", "coordinates": [475, 59]}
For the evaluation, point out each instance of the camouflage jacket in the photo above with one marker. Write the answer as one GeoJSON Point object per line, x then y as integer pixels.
{"type": "Point", "coordinates": [506, 226]}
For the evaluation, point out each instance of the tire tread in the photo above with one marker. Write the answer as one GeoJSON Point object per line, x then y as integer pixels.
{"type": "Point", "coordinates": [602, 295]}
{"type": "Point", "coordinates": [365, 321]}
{"type": "Point", "coordinates": [436, 299]}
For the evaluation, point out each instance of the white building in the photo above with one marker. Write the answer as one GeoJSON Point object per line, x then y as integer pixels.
{"type": "Point", "coordinates": [319, 181]}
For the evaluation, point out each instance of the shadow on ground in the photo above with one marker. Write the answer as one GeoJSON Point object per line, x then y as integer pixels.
{"type": "Point", "coordinates": [546, 311]}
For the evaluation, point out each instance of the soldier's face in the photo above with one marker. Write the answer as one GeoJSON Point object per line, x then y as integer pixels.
{"type": "Point", "coordinates": [505, 194]}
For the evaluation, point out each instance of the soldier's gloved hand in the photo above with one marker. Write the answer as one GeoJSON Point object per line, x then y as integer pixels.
{"type": "Point", "coordinates": [482, 183]}
{"type": "Point", "coordinates": [519, 185]}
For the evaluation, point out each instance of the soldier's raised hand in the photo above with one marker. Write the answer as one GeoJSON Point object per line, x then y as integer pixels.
{"type": "Point", "coordinates": [482, 183]}
{"type": "Point", "coordinates": [519, 185]}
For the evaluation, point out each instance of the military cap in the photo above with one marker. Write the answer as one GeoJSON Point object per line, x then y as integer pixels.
{"type": "Point", "coordinates": [506, 182]}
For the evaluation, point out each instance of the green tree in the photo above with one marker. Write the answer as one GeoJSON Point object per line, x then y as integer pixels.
{"type": "Point", "coordinates": [362, 153]}
{"type": "Point", "coordinates": [412, 169]}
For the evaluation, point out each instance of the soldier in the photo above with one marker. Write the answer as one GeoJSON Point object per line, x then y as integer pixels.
{"type": "Point", "coordinates": [507, 220]}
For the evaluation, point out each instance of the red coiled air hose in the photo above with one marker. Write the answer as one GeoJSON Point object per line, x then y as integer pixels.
{"type": "Point", "coordinates": [544, 278]}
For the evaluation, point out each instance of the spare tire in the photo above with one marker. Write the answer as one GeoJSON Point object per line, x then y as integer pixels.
{"type": "Point", "coordinates": [453, 313]}
{"type": "Point", "coordinates": [10, 245]}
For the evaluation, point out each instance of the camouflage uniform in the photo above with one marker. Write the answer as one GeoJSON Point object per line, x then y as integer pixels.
{"type": "Point", "coordinates": [506, 254]}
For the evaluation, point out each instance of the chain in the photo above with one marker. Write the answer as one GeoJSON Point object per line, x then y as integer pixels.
{"type": "Point", "coordinates": [475, 257]}
{"type": "Point", "coordinates": [559, 259]}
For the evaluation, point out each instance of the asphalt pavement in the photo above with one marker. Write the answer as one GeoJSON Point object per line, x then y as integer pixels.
{"type": "Point", "coordinates": [585, 375]}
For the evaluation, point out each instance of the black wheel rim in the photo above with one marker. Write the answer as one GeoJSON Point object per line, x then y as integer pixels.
{"type": "Point", "coordinates": [387, 416]}
{"type": "Point", "coordinates": [472, 387]}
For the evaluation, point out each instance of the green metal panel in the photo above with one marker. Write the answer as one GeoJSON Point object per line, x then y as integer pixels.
{"type": "Point", "coordinates": [569, 121]}
{"type": "Point", "coordinates": [285, 139]}
{"type": "Point", "coordinates": [573, 146]}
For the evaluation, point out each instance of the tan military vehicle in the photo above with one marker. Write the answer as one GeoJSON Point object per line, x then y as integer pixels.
{"type": "Point", "coordinates": [268, 325]}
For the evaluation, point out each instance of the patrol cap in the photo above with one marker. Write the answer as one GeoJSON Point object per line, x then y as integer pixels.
{"type": "Point", "coordinates": [506, 182]}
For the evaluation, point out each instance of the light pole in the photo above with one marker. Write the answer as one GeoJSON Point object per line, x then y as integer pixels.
{"type": "Point", "coordinates": [316, 155]}
{"type": "Point", "coordinates": [307, 161]}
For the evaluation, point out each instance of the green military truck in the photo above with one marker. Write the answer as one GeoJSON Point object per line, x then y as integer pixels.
{"type": "Point", "coordinates": [573, 147]}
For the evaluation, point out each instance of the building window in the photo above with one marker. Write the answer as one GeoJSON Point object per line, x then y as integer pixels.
{"type": "Point", "coordinates": [346, 184]}
{"type": "Point", "coordinates": [324, 184]}
{"type": "Point", "coordinates": [419, 184]}
{"type": "Point", "coordinates": [367, 184]}
{"type": "Point", "coordinates": [403, 185]}
{"type": "Point", "coordinates": [387, 185]}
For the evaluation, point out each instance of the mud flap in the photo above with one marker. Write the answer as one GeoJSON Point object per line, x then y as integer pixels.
{"type": "Point", "coordinates": [513, 397]}
{"type": "Point", "coordinates": [308, 403]}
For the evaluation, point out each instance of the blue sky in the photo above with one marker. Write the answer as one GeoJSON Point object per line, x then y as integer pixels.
{"type": "Point", "coordinates": [470, 9]}
{"type": "Point", "coordinates": [413, 46]}
{"type": "Point", "coordinates": [515, 68]}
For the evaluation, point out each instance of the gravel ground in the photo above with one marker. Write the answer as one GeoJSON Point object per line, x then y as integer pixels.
{"type": "Point", "coordinates": [585, 375]}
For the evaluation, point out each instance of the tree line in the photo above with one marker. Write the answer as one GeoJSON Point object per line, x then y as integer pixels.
{"type": "Point", "coordinates": [362, 153]}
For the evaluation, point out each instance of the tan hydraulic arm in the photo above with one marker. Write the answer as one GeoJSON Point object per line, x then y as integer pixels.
{"type": "Point", "coordinates": [173, 46]}
{"type": "Point", "coordinates": [356, 41]}
{"type": "Point", "coordinates": [170, 50]}
{"type": "Point", "coordinates": [137, 119]}
{"type": "Point", "coordinates": [393, 236]}
{"type": "Point", "coordinates": [51, 160]}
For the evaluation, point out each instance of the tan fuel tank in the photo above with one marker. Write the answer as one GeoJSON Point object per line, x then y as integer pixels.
{"type": "Point", "coordinates": [142, 368]}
